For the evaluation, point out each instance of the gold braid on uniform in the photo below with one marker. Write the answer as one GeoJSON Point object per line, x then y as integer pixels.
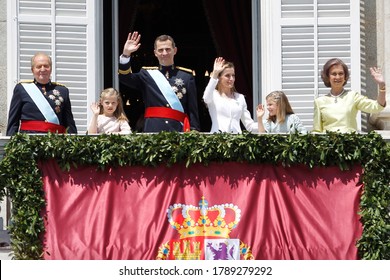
{"type": "Point", "coordinates": [58, 84]}
{"type": "Point", "coordinates": [26, 81]}
{"type": "Point", "coordinates": [125, 72]}
{"type": "Point", "coordinates": [184, 69]}
{"type": "Point", "coordinates": [150, 67]}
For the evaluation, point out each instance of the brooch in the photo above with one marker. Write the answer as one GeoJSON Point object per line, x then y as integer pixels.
{"type": "Point", "coordinates": [178, 88]}
{"type": "Point", "coordinates": [57, 98]}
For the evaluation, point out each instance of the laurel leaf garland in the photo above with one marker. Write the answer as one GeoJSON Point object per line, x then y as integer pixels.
{"type": "Point", "coordinates": [20, 177]}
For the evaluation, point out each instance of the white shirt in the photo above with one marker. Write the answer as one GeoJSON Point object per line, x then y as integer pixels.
{"type": "Point", "coordinates": [225, 112]}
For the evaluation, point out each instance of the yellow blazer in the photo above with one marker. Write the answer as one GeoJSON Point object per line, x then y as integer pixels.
{"type": "Point", "coordinates": [339, 114]}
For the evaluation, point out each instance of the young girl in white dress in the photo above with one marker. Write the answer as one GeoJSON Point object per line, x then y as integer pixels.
{"type": "Point", "coordinates": [108, 114]}
{"type": "Point", "coordinates": [281, 117]}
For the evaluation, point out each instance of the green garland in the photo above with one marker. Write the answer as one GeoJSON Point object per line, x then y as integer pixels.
{"type": "Point", "coordinates": [20, 178]}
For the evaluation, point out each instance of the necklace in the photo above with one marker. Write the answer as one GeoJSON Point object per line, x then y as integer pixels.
{"type": "Point", "coordinates": [336, 96]}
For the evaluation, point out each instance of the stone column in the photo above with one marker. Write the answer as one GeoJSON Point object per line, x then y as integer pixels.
{"type": "Point", "coordinates": [382, 120]}
{"type": "Point", "coordinates": [3, 67]}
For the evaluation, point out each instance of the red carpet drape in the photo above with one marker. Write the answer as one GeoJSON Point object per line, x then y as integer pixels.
{"type": "Point", "coordinates": [253, 211]}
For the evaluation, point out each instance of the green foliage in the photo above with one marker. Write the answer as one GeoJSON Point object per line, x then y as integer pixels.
{"type": "Point", "coordinates": [20, 178]}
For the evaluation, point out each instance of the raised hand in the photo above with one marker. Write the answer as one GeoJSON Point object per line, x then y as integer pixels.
{"type": "Point", "coordinates": [95, 107]}
{"type": "Point", "coordinates": [376, 73]}
{"type": "Point", "coordinates": [218, 66]}
{"type": "Point", "coordinates": [260, 111]}
{"type": "Point", "coordinates": [132, 43]}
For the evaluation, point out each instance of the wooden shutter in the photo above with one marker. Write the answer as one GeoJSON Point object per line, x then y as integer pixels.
{"type": "Point", "coordinates": [303, 35]}
{"type": "Point", "coordinates": [67, 30]}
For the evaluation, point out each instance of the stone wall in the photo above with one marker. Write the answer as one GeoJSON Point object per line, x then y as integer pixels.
{"type": "Point", "coordinates": [382, 120]}
{"type": "Point", "coordinates": [3, 66]}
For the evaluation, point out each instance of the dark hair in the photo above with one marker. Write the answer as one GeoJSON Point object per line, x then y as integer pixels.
{"type": "Point", "coordinates": [329, 64]}
{"type": "Point", "coordinates": [163, 38]}
{"type": "Point", "coordinates": [226, 65]}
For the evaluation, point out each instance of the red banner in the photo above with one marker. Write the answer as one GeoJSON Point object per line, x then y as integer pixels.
{"type": "Point", "coordinates": [221, 211]}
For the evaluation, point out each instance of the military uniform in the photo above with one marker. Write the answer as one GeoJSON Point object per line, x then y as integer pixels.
{"type": "Point", "coordinates": [182, 82]}
{"type": "Point", "coordinates": [23, 109]}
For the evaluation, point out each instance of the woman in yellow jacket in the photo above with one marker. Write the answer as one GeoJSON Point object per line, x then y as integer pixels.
{"type": "Point", "coordinates": [337, 110]}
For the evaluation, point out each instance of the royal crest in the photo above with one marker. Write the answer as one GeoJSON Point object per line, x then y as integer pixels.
{"type": "Point", "coordinates": [204, 233]}
{"type": "Point", "coordinates": [222, 249]}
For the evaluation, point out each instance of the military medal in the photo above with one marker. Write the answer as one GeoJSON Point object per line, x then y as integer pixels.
{"type": "Point", "coordinates": [179, 88]}
{"type": "Point", "coordinates": [57, 99]}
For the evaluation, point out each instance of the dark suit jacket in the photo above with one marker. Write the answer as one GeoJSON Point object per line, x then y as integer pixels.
{"type": "Point", "coordinates": [153, 97]}
{"type": "Point", "coordinates": [22, 107]}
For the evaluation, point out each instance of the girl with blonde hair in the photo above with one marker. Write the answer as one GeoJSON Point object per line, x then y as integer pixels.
{"type": "Point", "coordinates": [281, 117]}
{"type": "Point", "coordinates": [108, 114]}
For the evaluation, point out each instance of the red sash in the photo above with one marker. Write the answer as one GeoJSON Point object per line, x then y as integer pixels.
{"type": "Point", "coordinates": [42, 126]}
{"type": "Point", "coordinates": [168, 113]}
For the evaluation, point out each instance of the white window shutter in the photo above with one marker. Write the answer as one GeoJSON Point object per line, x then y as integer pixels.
{"type": "Point", "coordinates": [67, 30]}
{"type": "Point", "coordinates": [300, 36]}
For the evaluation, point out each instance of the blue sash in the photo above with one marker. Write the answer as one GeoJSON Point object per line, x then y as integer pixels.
{"type": "Point", "coordinates": [166, 90]}
{"type": "Point", "coordinates": [41, 102]}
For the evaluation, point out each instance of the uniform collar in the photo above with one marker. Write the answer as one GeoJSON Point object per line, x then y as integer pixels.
{"type": "Point", "coordinates": [166, 68]}
{"type": "Point", "coordinates": [39, 84]}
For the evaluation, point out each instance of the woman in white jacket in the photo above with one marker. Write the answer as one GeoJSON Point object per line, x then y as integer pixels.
{"type": "Point", "coordinates": [226, 106]}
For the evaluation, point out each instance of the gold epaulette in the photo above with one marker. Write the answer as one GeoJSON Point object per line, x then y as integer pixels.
{"type": "Point", "coordinates": [125, 72]}
{"type": "Point", "coordinates": [58, 84]}
{"type": "Point", "coordinates": [184, 69]}
{"type": "Point", "coordinates": [26, 81]}
{"type": "Point", "coordinates": [150, 67]}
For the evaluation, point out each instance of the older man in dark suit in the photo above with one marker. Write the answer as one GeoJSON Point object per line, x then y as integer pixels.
{"type": "Point", "coordinates": [40, 105]}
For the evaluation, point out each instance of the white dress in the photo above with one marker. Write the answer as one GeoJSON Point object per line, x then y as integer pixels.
{"type": "Point", "coordinates": [112, 125]}
{"type": "Point", "coordinates": [226, 113]}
